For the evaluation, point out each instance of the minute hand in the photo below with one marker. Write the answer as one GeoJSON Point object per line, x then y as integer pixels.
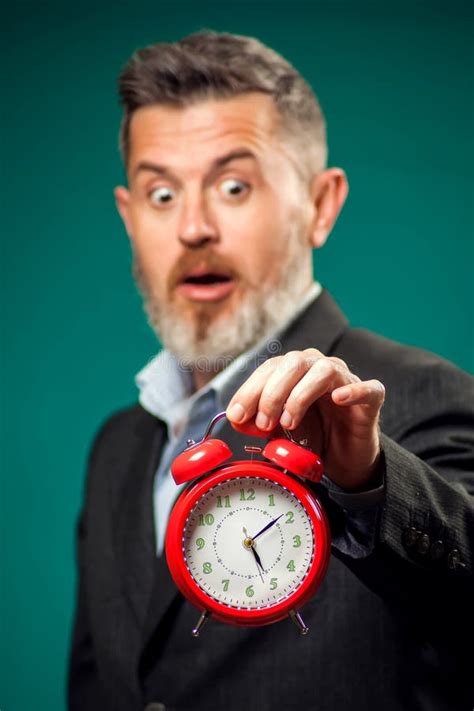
{"type": "Point", "coordinates": [265, 528]}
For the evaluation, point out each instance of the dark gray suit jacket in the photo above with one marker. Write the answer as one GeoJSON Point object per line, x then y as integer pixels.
{"type": "Point", "coordinates": [387, 631]}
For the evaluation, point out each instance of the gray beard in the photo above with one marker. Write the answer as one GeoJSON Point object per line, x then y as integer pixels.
{"type": "Point", "coordinates": [211, 342]}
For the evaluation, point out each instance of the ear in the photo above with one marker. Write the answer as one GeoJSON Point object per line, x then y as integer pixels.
{"type": "Point", "coordinates": [329, 190]}
{"type": "Point", "coordinates": [122, 200]}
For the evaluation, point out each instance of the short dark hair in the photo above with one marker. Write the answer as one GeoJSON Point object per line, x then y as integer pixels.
{"type": "Point", "coordinates": [210, 64]}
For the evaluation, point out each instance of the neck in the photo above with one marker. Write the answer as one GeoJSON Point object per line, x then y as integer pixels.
{"type": "Point", "coordinates": [202, 378]}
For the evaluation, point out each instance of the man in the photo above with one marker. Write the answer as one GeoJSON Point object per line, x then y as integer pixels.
{"type": "Point", "coordinates": [228, 193]}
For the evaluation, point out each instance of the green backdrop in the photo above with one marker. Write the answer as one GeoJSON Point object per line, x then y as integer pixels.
{"type": "Point", "coordinates": [395, 81]}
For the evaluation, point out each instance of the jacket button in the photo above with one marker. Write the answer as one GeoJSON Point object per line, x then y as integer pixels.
{"type": "Point", "coordinates": [454, 560]}
{"type": "Point", "coordinates": [423, 544]}
{"type": "Point", "coordinates": [410, 536]}
{"type": "Point", "coordinates": [437, 550]}
{"type": "Point", "coordinates": [155, 706]}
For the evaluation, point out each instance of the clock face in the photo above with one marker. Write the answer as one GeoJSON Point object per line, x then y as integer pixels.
{"type": "Point", "coordinates": [248, 542]}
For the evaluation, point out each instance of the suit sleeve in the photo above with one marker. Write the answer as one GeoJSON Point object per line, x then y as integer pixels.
{"type": "Point", "coordinates": [422, 558]}
{"type": "Point", "coordinates": [84, 690]}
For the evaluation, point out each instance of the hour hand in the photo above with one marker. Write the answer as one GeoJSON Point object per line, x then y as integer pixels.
{"type": "Point", "coordinates": [249, 544]}
{"type": "Point", "coordinates": [257, 558]}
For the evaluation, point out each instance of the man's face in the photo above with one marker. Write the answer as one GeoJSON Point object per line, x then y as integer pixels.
{"type": "Point", "coordinates": [216, 214]}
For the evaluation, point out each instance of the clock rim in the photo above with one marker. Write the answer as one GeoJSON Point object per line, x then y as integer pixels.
{"type": "Point", "coordinates": [204, 602]}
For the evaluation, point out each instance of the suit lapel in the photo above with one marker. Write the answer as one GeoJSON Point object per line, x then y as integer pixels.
{"type": "Point", "coordinates": [135, 526]}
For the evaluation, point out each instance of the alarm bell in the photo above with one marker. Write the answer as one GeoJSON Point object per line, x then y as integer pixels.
{"type": "Point", "coordinates": [201, 457]}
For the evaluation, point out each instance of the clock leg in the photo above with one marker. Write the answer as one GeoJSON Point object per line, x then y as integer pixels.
{"type": "Point", "coordinates": [298, 620]}
{"type": "Point", "coordinates": [195, 632]}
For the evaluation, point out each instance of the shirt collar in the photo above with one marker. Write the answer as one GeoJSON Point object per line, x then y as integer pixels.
{"type": "Point", "coordinates": [166, 387]}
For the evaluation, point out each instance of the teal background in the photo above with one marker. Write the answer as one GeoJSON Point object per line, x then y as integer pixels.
{"type": "Point", "coordinates": [395, 81]}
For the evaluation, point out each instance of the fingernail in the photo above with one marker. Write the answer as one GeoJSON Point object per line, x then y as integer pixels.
{"type": "Point", "coordinates": [286, 419]}
{"type": "Point", "coordinates": [343, 394]}
{"type": "Point", "coordinates": [236, 412]}
{"type": "Point", "coordinates": [262, 421]}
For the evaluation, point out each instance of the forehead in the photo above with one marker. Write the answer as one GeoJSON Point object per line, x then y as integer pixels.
{"type": "Point", "coordinates": [178, 136]}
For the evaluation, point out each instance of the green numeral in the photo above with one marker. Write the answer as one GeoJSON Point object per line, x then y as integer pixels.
{"type": "Point", "coordinates": [250, 496]}
{"type": "Point", "coordinates": [273, 583]}
{"type": "Point", "coordinates": [207, 568]}
{"type": "Point", "coordinates": [291, 566]}
{"type": "Point", "coordinates": [250, 592]}
{"type": "Point", "coordinates": [208, 518]}
{"type": "Point", "coordinates": [226, 502]}
{"type": "Point", "coordinates": [271, 499]}
{"type": "Point", "coordinates": [290, 517]}
{"type": "Point", "coordinates": [296, 541]}
{"type": "Point", "coordinates": [200, 542]}
{"type": "Point", "coordinates": [226, 585]}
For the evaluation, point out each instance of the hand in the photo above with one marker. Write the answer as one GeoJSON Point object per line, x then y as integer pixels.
{"type": "Point", "coordinates": [255, 554]}
{"type": "Point", "coordinates": [265, 528]}
{"type": "Point", "coordinates": [258, 562]}
{"type": "Point", "coordinates": [319, 399]}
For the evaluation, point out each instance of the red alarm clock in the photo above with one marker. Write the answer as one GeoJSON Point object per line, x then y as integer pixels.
{"type": "Point", "coordinates": [248, 542]}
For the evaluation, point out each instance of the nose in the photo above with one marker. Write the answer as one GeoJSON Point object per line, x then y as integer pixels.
{"type": "Point", "coordinates": [196, 227]}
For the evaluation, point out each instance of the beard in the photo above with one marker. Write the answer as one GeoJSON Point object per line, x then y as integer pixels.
{"type": "Point", "coordinates": [210, 340]}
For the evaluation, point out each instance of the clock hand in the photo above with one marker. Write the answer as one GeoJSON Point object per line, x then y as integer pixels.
{"type": "Point", "coordinates": [258, 562]}
{"type": "Point", "coordinates": [257, 558]}
{"type": "Point", "coordinates": [265, 528]}
{"type": "Point", "coordinates": [248, 543]}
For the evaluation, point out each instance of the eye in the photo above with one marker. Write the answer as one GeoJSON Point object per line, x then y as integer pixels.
{"type": "Point", "coordinates": [233, 187]}
{"type": "Point", "coordinates": [161, 195]}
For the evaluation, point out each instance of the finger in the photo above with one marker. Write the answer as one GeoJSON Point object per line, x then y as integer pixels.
{"type": "Point", "coordinates": [369, 392]}
{"type": "Point", "coordinates": [289, 379]}
{"type": "Point", "coordinates": [342, 364]}
{"type": "Point", "coordinates": [244, 402]}
{"type": "Point", "coordinates": [316, 355]}
{"type": "Point", "coordinates": [289, 371]}
{"type": "Point", "coordinates": [313, 353]}
{"type": "Point", "coordinates": [323, 377]}
{"type": "Point", "coordinates": [343, 367]}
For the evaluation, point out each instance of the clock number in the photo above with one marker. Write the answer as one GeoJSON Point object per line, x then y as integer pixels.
{"type": "Point", "coordinates": [273, 583]}
{"type": "Point", "coordinates": [296, 541]}
{"type": "Point", "coordinates": [250, 592]}
{"type": "Point", "coordinates": [200, 542]}
{"type": "Point", "coordinates": [290, 517]}
{"type": "Point", "coordinates": [207, 568]}
{"type": "Point", "coordinates": [225, 584]}
{"type": "Point", "coordinates": [250, 496]}
{"type": "Point", "coordinates": [271, 499]}
{"type": "Point", "coordinates": [226, 502]}
{"type": "Point", "coordinates": [207, 519]}
{"type": "Point", "coordinates": [291, 566]}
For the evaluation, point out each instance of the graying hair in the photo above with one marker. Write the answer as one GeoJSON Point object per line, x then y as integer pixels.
{"type": "Point", "coordinates": [209, 64]}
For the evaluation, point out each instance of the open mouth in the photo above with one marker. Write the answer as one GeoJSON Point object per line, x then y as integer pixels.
{"type": "Point", "coordinates": [206, 286]}
{"type": "Point", "coordinates": [210, 278]}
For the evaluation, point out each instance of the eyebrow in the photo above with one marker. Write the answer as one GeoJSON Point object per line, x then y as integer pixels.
{"type": "Point", "coordinates": [217, 163]}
